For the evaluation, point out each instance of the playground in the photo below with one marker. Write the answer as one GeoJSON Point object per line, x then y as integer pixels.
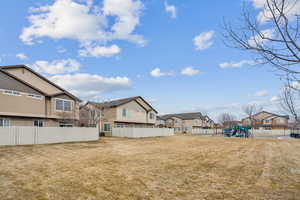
{"type": "Point", "coordinates": [238, 131]}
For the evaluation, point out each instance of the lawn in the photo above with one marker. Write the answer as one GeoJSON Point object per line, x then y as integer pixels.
{"type": "Point", "coordinates": [178, 167]}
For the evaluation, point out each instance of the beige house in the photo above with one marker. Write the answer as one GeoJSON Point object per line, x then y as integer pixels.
{"type": "Point", "coordinates": [268, 121]}
{"type": "Point", "coordinates": [29, 99]}
{"type": "Point", "coordinates": [185, 122]}
{"type": "Point", "coordinates": [128, 112]}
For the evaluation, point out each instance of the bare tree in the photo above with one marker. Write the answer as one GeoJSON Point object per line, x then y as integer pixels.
{"type": "Point", "coordinates": [250, 110]}
{"type": "Point", "coordinates": [289, 101]}
{"type": "Point", "coordinates": [90, 115]}
{"type": "Point", "coordinates": [273, 36]}
{"type": "Point", "coordinates": [226, 119]}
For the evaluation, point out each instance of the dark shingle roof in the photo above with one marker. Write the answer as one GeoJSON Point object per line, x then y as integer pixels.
{"type": "Point", "coordinates": [185, 116]}
{"type": "Point", "coordinates": [118, 102]}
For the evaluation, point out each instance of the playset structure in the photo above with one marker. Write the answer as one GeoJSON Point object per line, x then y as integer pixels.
{"type": "Point", "coordinates": [238, 131]}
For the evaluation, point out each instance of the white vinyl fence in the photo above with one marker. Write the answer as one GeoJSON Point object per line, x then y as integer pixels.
{"type": "Point", "coordinates": [199, 131]}
{"type": "Point", "coordinates": [141, 132]}
{"type": "Point", "coordinates": [271, 132]}
{"type": "Point", "coordinates": [45, 135]}
{"type": "Point", "coordinates": [256, 132]}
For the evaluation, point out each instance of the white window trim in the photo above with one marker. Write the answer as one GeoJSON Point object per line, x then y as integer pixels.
{"type": "Point", "coordinates": [63, 104]}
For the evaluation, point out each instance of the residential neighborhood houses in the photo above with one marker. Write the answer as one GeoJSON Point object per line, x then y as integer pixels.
{"type": "Point", "coordinates": [185, 122]}
{"type": "Point", "coordinates": [267, 121]}
{"type": "Point", "coordinates": [29, 99]}
{"type": "Point", "coordinates": [121, 113]}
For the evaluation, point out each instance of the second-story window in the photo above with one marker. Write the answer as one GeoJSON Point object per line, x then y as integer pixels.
{"type": "Point", "coordinates": [124, 112]}
{"type": "Point", "coordinates": [63, 105]}
{"type": "Point", "coordinates": [280, 121]}
{"type": "Point", "coordinates": [67, 106]}
{"type": "Point", "coordinates": [12, 93]}
{"type": "Point", "coordinates": [151, 116]}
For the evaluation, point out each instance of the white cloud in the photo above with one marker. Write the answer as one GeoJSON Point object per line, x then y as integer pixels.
{"type": "Point", "coordinates": [171, 9]}
{"type": "Point", "coordinates": [91, 85]}
{"type": "Point", "coordinates": [64, 19]}
{"type": "Point", "coordinates": [258, 39]}
{"type": "Point", "coordinates": [157, 73]}
{"type": "Point", "coordinates": [275, 99]}
{"type": "Point", "coordinates": [100, 51]}
{"type": "Point", "coordinates": [127, 13]}
{"type": "Point", "coordinates": [292, 8]}
{"type": "Point", "coordinates": [261, 93]}
{"type": "Point", "coordinates": [295, 84]}
{"type": "Point", "coordinates": [85, 22]}
{"type": "Point", "coordinates": [56, 66]}
{"type": "Point", "coordinates": [237, 64]}
{"type": "Point", "coordinates": [204, 40]}
{"type": "Point", "coordinates": [22, 56]}
{"type": "Point", "coordinates": [190, 71]}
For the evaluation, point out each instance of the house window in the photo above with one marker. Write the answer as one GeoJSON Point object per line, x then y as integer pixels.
{"type": "Point", "coordinates": [107, 127]}
{"type": "Point", "coordinates": [38, 123]}
{"type": "Point", "coordinates": [4, 122]}
{"type": "Point", "coordinates": [34, 96]}
{"type": "Point", "coordinates": [124, 112]}
{"type": "Point", "coordinates": [267, 121]}
{"type": "Point", "coordinates": [63, 105]}
{"type": "Point", "coordinates": [120, 126]}
{"type": "Point", "coordinates": [12, 93]}
{"type": "Point", "coordinates": [280, 121]}
{"type": "Point", "coordinates": [67, 106]}
{"type": "Point", "coordinates": [64, 124]}
{"type": "Point", "coordinates": [151, 116]}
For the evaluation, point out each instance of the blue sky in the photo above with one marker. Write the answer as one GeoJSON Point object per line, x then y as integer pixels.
{"type": "Point", "coordinates": [170, 52]}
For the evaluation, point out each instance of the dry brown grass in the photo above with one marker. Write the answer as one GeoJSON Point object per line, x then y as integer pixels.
{"type": "Point", "coordinates": [179, 167]}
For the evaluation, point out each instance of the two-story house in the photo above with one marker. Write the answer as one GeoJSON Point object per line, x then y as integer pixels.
{"type": "Point", "coordinates": [29, 99]}
{"type": "Point", "coordinates": [186, 122]}
{"type": "Point", "coordinates": [268, 121]}
{"type": "Point", "coordinates": [128, 112]}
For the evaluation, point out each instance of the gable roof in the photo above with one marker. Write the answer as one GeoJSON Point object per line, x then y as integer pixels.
{"type": "Point", "coordinates": [184, 116]}
{"type": "Point", "coordinates": [119, 102]}
{"type": "Point", "coordinates": [23, 82]}
{"type": "Point", "coordinates": [2, 68]}
{"type": "Point", "coordinates": [270, 115]}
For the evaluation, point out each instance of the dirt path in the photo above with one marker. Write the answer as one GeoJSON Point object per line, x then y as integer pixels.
{"type": "Point", "coordinates": [179, 167]}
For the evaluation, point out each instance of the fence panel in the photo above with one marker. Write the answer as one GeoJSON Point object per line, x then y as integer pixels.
{"type": "Point", "coordinates": [200, 131]}
{"type": "Point", "coordinates": [45, 135]}
{"type": "Point", "coordinates": [141, 132]}
{"type": "Point", "coordinates": [271, 132]}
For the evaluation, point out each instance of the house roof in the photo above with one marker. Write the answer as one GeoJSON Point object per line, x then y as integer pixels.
{"type": "Point", "coordinates": [2, 68]}
{"type": "Point", "coordinates": [21, 81]}
{"type": "Point", "coordinates": [273, 114]}
{"type": "Point", "coordinates": [184, 116]}
{"type": "Point", "coordinates": [119, 102]}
